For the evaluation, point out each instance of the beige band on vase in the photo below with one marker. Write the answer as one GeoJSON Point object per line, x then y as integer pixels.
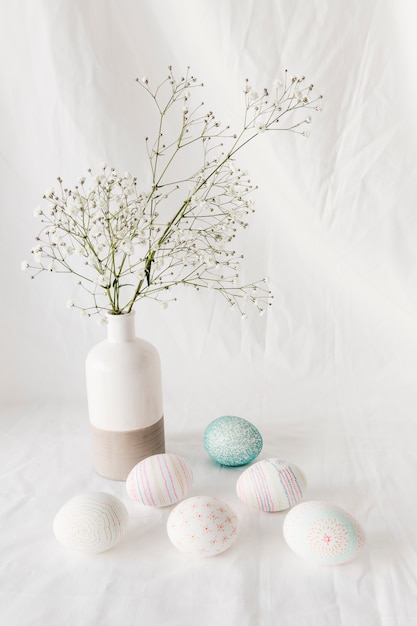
{"type": "Point", "coordinates": [115, 453]}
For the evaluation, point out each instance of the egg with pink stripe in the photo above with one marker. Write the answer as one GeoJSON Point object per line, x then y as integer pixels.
{"type": "Point", "coordinates": [159, 480]}
{"type": "Point", "coordinates": [271, 485]}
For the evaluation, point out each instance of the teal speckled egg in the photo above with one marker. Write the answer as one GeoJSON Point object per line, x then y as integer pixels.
{"type": "Point", "coordinates": [232, 440]}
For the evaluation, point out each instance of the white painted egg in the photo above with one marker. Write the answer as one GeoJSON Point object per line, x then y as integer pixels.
{"type": "Point", "coordinates": [202, 526]}
{"type": "Point", "coordinates": [92, 522]}
{"type": "Point", "coordinates": [160, 480]}
{"type": "Point", "coordinates": [271, 485]}
{"type": "Point", "coordinates": [323, 533]}
{"type": "Point", "coordinates": [232, 440]}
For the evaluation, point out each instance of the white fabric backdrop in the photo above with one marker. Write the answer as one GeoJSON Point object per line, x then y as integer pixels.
{"type": "Point", "coordinates": [329, 373]}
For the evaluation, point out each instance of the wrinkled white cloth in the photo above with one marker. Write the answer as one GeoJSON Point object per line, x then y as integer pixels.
{"type": "Point", "coordinates": [360, 454]}
{"type": "Point", "coordinates": [327, 374]}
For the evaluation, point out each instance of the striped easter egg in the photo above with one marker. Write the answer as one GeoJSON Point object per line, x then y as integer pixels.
{"type": "Point", "coordinates": [159, 480]}
{"type": "Point", "coordinates": [271, 485]}
{"type": "Point", "coordinates": [92, 522]}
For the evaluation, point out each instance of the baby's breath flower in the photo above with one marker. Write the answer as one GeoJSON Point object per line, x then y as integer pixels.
{"type": "Point", "coordinates": [37, 254]}
{"type": "Point", "coordinates": [124, 243]}
{"type": "Point", "coordinates": [73, 210]}
{"type": "Point", "coordinates": [102, 281]}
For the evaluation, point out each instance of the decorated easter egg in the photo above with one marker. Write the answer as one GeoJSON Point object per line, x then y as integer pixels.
{"type": "Point", "coordinates": [92, 522]}
{"type": "Point", "coordinates": [323, 533]}
{"type": "Point", "coordinates": [159, 480]}
{"type": "Point", "coordinates": [232, 440]}
{"type": "Point", "coordinates": [202, 526]}
{"type": "Point", "coordinates": [271, 485]}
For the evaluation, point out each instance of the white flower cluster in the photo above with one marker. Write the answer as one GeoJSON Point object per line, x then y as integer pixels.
{"type": "Point", "coordinates": [124, 243]}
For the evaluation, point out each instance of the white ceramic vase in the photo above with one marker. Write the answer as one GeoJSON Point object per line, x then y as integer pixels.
{"type": "Point", "coordinates": [124, 394]}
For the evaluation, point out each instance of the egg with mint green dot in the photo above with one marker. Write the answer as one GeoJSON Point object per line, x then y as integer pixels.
{"type": "Point", "coordinates": [323, 533]}
{"type": "Point", "coordinates": [232, 441]}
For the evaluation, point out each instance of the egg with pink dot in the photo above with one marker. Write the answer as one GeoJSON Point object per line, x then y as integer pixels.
{"type": "Point", "coordinates": [323, 533]}
{"type": "Point", "coordinates": [202, 526]}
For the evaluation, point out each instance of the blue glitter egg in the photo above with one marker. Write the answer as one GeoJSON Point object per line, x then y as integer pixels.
{"type": "Point", "coordinates": [232, 440]}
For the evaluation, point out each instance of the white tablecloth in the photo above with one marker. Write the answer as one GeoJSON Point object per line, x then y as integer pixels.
{"type": "Point", "coordinates": [359, 453]}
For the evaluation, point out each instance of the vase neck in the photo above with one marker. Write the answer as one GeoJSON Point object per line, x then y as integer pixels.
{"type": "Point", "coordinates": [121, 327]}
